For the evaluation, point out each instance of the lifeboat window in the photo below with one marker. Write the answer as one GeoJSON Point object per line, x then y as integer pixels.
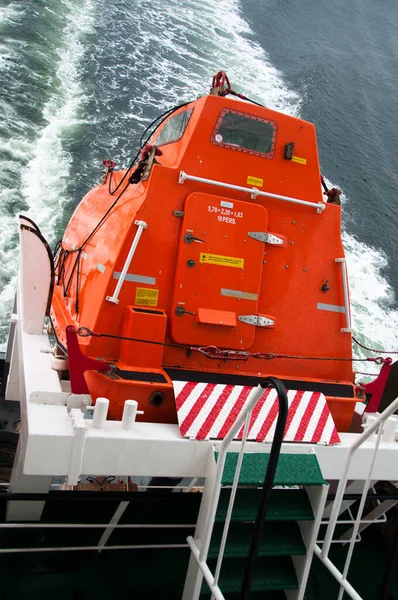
{"type": "Point", "coordinates": [174, 128]}
{"type": "Point", "coordinates": [245, 133]}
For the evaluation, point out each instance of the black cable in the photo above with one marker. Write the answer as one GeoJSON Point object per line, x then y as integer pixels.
{"type": "Point", "coordinates": [163, 117]}
{"type": "Point", "coordinates": [268, 482]}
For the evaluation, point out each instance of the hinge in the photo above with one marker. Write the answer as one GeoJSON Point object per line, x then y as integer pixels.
{"type": "Point", "coordinates": [256, 320]}
{"type": "Point", "coordinates": [267, 238]}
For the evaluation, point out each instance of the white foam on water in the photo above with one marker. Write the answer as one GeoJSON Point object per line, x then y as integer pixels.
{"type": "Point", "coordinates": [191, 41]}
{"type": "Point", "coordinates": [45, 177]}
{"type": "Point", "coordinates": [9, 13]}
{"type": "Point", "coordinates": [175, 47]}
{"type": "Point", "coordinates": [374, 320]}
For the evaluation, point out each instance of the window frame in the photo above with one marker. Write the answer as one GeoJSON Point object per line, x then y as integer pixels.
{"type": "Point", "coordinates": [177, 139]}
{"type": "Point", "coordinates": [225, 111]}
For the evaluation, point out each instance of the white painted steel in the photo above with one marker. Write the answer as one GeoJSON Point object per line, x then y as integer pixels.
{"type": "Point", "coordinates": [359, 514]}
{"type": "Point", "coordinates": [215, 590]}
{"type": "Point", "coordinates": [194, 576]}
{"type": "Point", "coordinates": [79, 440]}
{"type": "Point", "coordinates": [231, 502]}
{"type": "Point", "coordinates": [141, 226]}
{"type": "Point", "coordinates": [130, 411]}
{"type": "Point", "coordinates": [253, 398]}
{"type": "Point", "coordinates": [254, 192]}
{"type": "Point", "coordinates": [35, 273]}
{"type": "Point", "coordinates": [12, 387]}
{"type": "Point", "coordinates": [347, 328]}
{"type": "Point", "coordinates": [80, 401]}
{"type": "Point", "coordinates": [339, 576]}
{"type": "Point", "coordinates": [390, 429]}
{"type": "Point", "coordinates": [83, 548]}
{"type": "Point", "coordinates": [112, 524]}
{"type": "Point", "coordinates": [30, 510]}
{"type": "Point", "coordinates": [100, 413]}
{"type": "Point", "coordinates": [95, 525]}
{"type": "Point", "coordinates": [377, 515]}
{"type": "Point", "coordinates": [207, 513]}
{"type": "Point", "coordinates": [344, 476]}
{"type": "Point", "coordinates": [309, 531]}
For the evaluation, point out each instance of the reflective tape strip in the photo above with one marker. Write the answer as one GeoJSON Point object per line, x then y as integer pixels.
{"type": "Point", "coordinates": [100, 267]}
{"type": "Point", "coordinates": [331, 307]}
{"type": "Point", "coordinates": [206, 411]}
{"type": "Point", "coordinates": [136, 278]}
{"type": "Point", "coordinates": [238, 294]}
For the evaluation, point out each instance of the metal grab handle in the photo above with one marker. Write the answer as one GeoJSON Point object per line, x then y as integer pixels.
{"type": "Point", "coordinates": [268, 482]}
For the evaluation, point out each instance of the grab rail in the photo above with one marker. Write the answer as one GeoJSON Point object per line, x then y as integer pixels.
{"type": "Point", "coordinates": [323, 554]}
{"type": "Point", "coordinates": [347, 311]}
{"type": "Point", "coordinates": [254, 192]}
{"type": "Point", "coordinates": [244, 417]}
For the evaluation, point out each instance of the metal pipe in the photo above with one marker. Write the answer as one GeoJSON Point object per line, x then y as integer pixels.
{"type": "Point", "coordinates": [231, 501]}
{"type": "Point", "coordinates": [268, 483]}
{"type": "Point", "coordinates": [38, 525]}
{"type": "Point", "coordinates": [215, 590]}
{"type": "Point", "coordinates": [141, 226]}
{"type": "Point", "coordinates": [100, 413]}
{"type": "Point", "coordinates": [343, 480]}
{"type": "Point", "coordinates": [74, 548]}
{"type": "Point", "coordinates": [251, 401]}
{"type": "Point", "coordinates": [320, 206]}
{"type": "Point", "coordinates": [336, 573]}
{"type": "Point", "coordinates": [355, 529]}
{"type": "Point", "coordinates": [130, 411]}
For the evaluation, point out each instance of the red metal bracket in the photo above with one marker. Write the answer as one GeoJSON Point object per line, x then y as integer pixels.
{"type": "Point", "coordinates": [79, 363]}
{"type": "Point", "coordinates": [376, 387]}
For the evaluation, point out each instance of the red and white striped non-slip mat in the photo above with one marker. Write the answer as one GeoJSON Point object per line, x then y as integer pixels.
{"type": "Point", "coordinates": [208, 410]}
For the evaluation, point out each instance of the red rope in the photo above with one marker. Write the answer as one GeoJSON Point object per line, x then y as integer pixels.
{"type": "Point", "coordinates": [218, 353]}
{"type": "Point", "coordinates": [373, 349]}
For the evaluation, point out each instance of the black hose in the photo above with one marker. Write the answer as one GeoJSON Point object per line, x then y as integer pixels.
{"type": "Point", "coordinates": [268, 483]}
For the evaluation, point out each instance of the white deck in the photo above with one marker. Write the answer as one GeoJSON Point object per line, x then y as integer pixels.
{"type": "Point", "coordinates": [55, 445]}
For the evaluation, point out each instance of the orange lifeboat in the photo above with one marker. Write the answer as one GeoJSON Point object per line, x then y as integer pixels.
{"type": "Point", "coordinates": [213, 258]}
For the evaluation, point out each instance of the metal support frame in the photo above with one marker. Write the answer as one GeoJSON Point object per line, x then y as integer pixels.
{"type": "Point", "coordinates": [112, 524]}
{"type": "Point", "coordinates": [376, 425]}
{"type": "Point", "coordinates": [254, 192]}
{"type": "Point", "coordinates": [141, 226]}
{"type": "Point", "coordinates": [200, 544]}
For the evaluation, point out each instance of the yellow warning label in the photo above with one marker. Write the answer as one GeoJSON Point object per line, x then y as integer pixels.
{"type": "Point", "coordinates": [301, 161]}
{"type": "Point", "coordinates": [224, 261]}
{"type": "Point", "coordinates": [146, 297]}
{"type": "Point", "coordinates": [255, 181]}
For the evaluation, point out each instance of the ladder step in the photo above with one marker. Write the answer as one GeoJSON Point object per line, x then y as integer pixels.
{"type": "Point", "coordinates": [285, 505]}
{"type": "Point", "coordinates": [279, 539]}
{"type": "Point", "coordinates": [292, 469]}
{"type": "Point", "coordinates": [267, 595]}
{"type": "Point", "coordinates": [271, 573]}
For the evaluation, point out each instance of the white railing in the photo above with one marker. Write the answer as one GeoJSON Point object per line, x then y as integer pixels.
{"type": "Point", "coordinates": [376, 426]}
{"type": "Point", "coordinates": [200, 554]}
{"type": "Point", "coordinates": [254, 192]}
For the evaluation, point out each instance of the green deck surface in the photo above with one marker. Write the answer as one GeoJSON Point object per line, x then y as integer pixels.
{"type": "Point", "coordinates": [285, 505]}
{"type": "Point", "coordinates": [279, 539]}
{"type": "Point", "coordinates": [292, 469]}
{"type": "Point", "coordinates": [276, 573]}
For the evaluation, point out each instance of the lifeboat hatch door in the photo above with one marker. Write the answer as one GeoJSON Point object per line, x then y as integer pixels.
{"type": "Point", "coordinates": [218, 273]}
